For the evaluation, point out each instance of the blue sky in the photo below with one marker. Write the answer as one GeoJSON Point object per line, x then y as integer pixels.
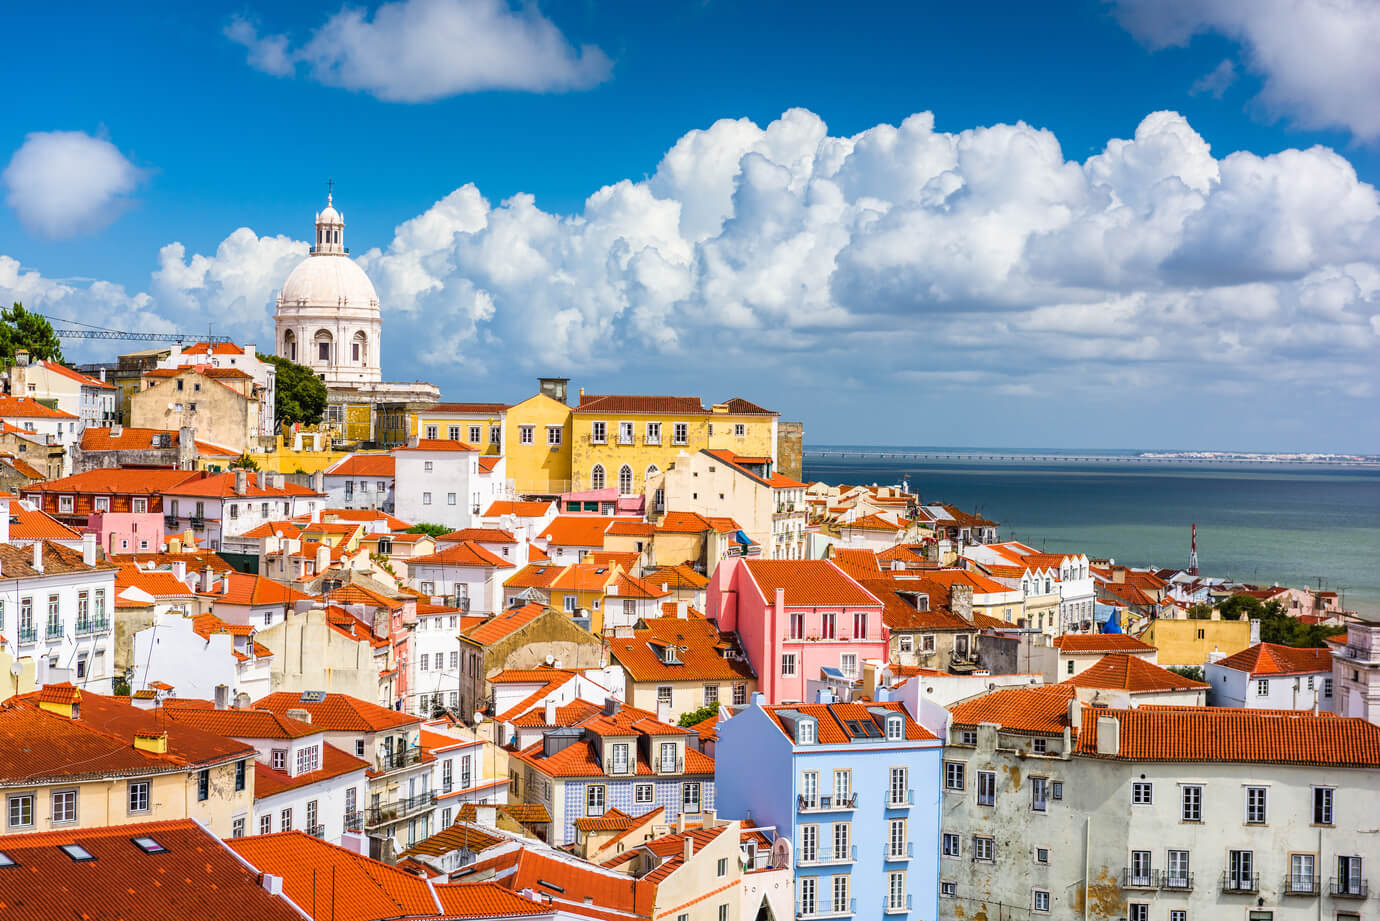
{"type": "Point", "coordinates": [950, 282]}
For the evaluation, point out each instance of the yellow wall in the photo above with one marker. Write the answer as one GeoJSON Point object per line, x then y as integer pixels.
{"type": "Point", "coordinates": [536, 468]}
{"type": "Point", "coordinates": [1178, 641]}
{"type": "Point", "coordinates": [223, 415]}
{"type": "Point", "coordinates": [443, 422]}
{"type": "Point", "coordinates": [638, 455]}
{"type": "Point", "coordinates": [757, 439]}
{"type": "Point", "coordinates": [283, 459]}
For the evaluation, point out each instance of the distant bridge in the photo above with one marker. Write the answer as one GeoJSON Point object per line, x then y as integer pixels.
{"type": "Point", "coordinates": [1110, 460]}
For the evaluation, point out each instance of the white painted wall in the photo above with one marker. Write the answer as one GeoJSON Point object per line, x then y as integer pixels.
{"type": "Point", "coordinates": [435, 486]}
{"type": "Point", "coordinates": [60, 658]}
{"type": "Point", "coordinates": [171, 651]}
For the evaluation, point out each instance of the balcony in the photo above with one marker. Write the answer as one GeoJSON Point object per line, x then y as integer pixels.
{"type": "Point", "coordinates": [671, 767]}
{"type": "Point", "coordinates": [806, 910]}
{"type": "Point", "coordinates": [891, 906]}
{"type": "Point", "coordinates": [396, 760]}
{"type": "Point", "coordinates": [28, 634]}
{"type": "Point", "coordinates": [827, 855]}
{"type": "Point", "coordinates": [398, 810]}
{"type": "Point", "coordinates": [316, 831]}
{"type": "Point", "coordinates": [92, 625]}
{"type": "Point", "coordinates": [896, 802]}
{"type": "Point", "coordinates": [1348, 887]}
{"type": "Point", "coordinates": [827, 803]}
{"type": "Point", "coordinates": [53, 633]}
{"type": "Point", "coordinates": [1240, 882]}
{"type": "Point", "coordinates": [1176, 881]}
{"type": "Point", "coordinates": [170, 522]}
{"type": "Point", "coordinates": [1131, 878]}
{"type": "Point", "coordinates": [891, 853]}
{"type": "Point", "coordinates": [1301, 884]}
{"type": "Point", "coordinates": [354, 821]}
{"type": "Point", "coordinates": [196, 523]}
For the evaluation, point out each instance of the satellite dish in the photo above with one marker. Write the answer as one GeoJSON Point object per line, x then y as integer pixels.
{"type": "Point", "coordinates": [478, 717]}
{"type": "Point", "coordinates": [550, 660]}
{"type": "Point", "coordinates": [16, 669]}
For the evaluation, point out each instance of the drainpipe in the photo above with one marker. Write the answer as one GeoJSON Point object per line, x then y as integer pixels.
{"type": "Point", "coordinates": [1087, 840]}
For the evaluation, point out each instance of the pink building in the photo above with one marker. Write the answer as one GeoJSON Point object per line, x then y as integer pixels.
{"type": "Point", "coordinates": [127, 532]}
{"type": "Point", "coordinates": [805, 624]}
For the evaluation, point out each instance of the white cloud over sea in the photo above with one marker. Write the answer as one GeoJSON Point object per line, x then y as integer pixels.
{"type": "Point", "coordinates": [904, 260]}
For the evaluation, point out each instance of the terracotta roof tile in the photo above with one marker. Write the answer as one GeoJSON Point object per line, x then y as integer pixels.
{"type": "Point", "coordinates": [1101, 643]}
{"type": "Point", "coordinates": [566, 715]}
{"type": "Point", "coordinates": [626, 586]}
{"type": "Point", "coordinates": [613, 820]}
{"type": "Point", "coordinates": [576, 531]}
{"type": "Point", "coordinates": [32, 524]}
{"type": "Point", "coordinates": [466, 553]}
{"type": "Point", "coordinates": [481, 535]}
{"type": "Point", "coordinates": [334, 763]}
{"type": "Point", "coordinates": [57, 559]}
{"type": "Point", "coordinates": [437, 444]}
{"type": "Point", "coordinates": [193, 877]}
{"type": "Point", "coordinates": [29, 408]}
{"type": "Point", "coordinates": [1274, 659]}
{"type": "Point", "coordinates": [520, 508]}
{"type": "Point", "coordinates": [1039, 710]}
{"type": "Point", "coordinates": [453, 838]}
{"type": "Point", "coordinates": [831, 720]}
{"type": "Point", "coordinates": [699, 646]}
{"type": "Point", "coordinates": [524, 813]}
{"type": "Point", "coordinates": [860, 564]}
{"type": "Point", "coordinates": [505, 624]}
{"type": "Point", "coordinates": [808, 583]}
{"type": "Point", "coordinates": [659, 405]}
{"type": "Point", "coordinates": [365, 465]}
{"type": "Point", "coordinates": [1236, 734]}
{"type": "Point", "coordinates": [536, 575]}
{"type": "Point", "coordinates": [740, 407]}
{"type": "Point", "coordinates": [679, 576]}
{"type": "Point", "coordinates": [339, 712]}
{"type": "Point", "coordinates": [1119, 671]}
{"type": "Point", "coordinates": [254, 590]}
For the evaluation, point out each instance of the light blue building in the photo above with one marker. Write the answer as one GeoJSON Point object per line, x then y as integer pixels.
{"type": "Point", "coordinates": [856, 789]}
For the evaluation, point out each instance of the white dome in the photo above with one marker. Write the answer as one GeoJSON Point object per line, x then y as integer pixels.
{"type": "Point", "coordinates": [330, 216]}
{"type": "Point", "coordinates": [329, 281]}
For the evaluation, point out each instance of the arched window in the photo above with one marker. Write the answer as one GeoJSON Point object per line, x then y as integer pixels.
{"type": "Point", "coordinates": [359, 349]}
{"type": "Point", "coordinates": [323, 346]}
{"type": "Point", "coordinates": [625, 479]}
{"type": "Point", "coordinates": [651, 472]}
{"type": "Point", "coordinates": [289, 346]}
{"type": "Point", "coordinates": [596, 477]}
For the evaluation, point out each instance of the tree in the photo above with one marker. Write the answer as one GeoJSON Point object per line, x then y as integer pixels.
{"type": "Point", "coordinates": [1191, 672]}
{"type": "Point", "coordinates": [1200, 612]}
{"type": "Point", "coordinates": [1238, 606]}
{"type": "Point", "coordinates": [1276, 626]}
{"type": "Point", "coordinates": [244, 462]}
{"type": "Point", "coordinates": [429, 529]}
{"type": "Point", "coordinates": [20, 329]}
{"type": "Point", "coordinates": [695, 716]}
{"type": "Point", "coordinates": [299, 395]}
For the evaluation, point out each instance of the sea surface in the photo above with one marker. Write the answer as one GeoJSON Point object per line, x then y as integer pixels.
{"type": "Point", "coordinates": [1294, 524]}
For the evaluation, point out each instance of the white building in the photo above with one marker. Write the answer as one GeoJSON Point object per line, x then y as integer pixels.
{"type": "Point", "coordinates": [53, 426]}
{"type": "Point", "coordinates": [301, 782]}
{"type": "Point", "coordinates": [1268, 676]}
{"type": "Point", "coordinates": [1069, 575]}
{"type": "Point", "coordinates": [467, 769]}
{"type": "Point", "coordinates": [467, 575]}
{"type": "Point", "coordinates": [1054, 809]}
{"type": "Point", "coordinates": [220, 507]}
{"type": "Point", "coordinates": [56, 605]}
{"type": "Point", "coordinates": [202, 657]}
{"type": "Point", "coordinates": [434, 661]}
{"type": "Point", "coordinates": [435, 483]}
{"type": "Point", "coordinates": [90, 399]}
{"type": "Point", "coordinates": [1356, 670]}
{"type": "Point", "coordinates": [242, 358]}
{"type": "Point", "coordinates": [360, 481]}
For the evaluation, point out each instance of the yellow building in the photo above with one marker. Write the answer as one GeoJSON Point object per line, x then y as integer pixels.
{"type": "Point", "coordinates": [537, 434]}
{"type": "Point", "coordinates": [1188, 642]}
{"type": "Point", "coordinates": [479, 425]}
{"type": "Point", "coordinates": [105, 762]}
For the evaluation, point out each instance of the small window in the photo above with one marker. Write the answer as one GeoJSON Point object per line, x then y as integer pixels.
{"type": "Point", "coordinates": [1039, 746]}
{"type": "Point", "coordinates": [76, 852]}
{"type": "Point", "coordinates": [1041, 900]}
{"type": "Point", "coordinates": [722, 869]}
{"type": "Point", "coordinates": [984, 848]}
{"type": "Point", "coordinates": [967, 737]}
{"type": "Point", "coordinates": [951, 845]}
{"type": "Point", "coordinates": [148, 845]}
{"type": "Point", "coordinates": [805, 732]}
{"type": "Point", "coordinates": [1142, 794]}
{"type": "Point", "coordinates": [954, 772]}
{"type": "Point", "coordinates": [1042, 855]}
{"type": "Point", "coordinates": [948, 890]}
{"type": "Point", "coordinates": [894, 729]}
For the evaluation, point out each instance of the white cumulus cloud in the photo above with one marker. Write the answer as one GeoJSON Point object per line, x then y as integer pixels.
{"type": "Point", "coordinates": [424, 50]}
{"type": "Point", "coordinates": [1317, 58]}
{"type": "Point", "coordinates": [62, 183]}
{"type": "Point", "coordinates": [781, 261]}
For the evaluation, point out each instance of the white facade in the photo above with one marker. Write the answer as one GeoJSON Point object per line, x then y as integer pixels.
{"type": "Point", "coordinates": [242, 358]}
{"type": "Point", "coordinates": [434, 660]}
{"type": "Point", "coordinates": [61, 622]}
{"type": "Point", "coordinates": [465, 771]}
{"type": "Point", "coordinates": [1356, 671]}
{"type": "Point", "coordinates": [356, 491]}
{"type": "Point", "coordinates": [203, 668]}
{"type": "Point", "coordinates": [328, 311]}
{"type": "Point", "coordinates": [478, 588]}
{"type": "Point", "coordinates": [1234, 687]}
{"type": "Point", "coordinates": [64, 429]}
{"type": "Point", "coordinates": [435, 486]}
{"type": "Point", "coordinates": [217, 520]}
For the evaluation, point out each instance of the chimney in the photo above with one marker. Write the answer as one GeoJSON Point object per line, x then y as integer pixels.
{"type": "Point", "coordinates": [683, 609]}
{"type": "Point", "coordinates": [206, 579]}
{"type": "Point", "coordinates": [179, 570]}
{"type": "Point", "coordinates": [689, 849]}
{"type": "Point", "coordinates": [38, 555]}
{"type": "Point", "coordinates": [318, 482]}
{"type": "Point", "coordinates": [88, 548]}
{"type": "Point", "coordinates": [961, 600]}
{"type": "Point", "coordinates": [824, 696]}
{"type": "Point", "coordinates": [611, 706]}
{"type": "Point", "coordinates": [302, 716]}
{"type": "Point", "coordinates": [155, 743]}
{"type": "Point", "coordinates": [241, 481]}
{"type": "Point", "coordinates": [21, 357]}
{"type": "Point", "coordinates": [549, 713]}
{"type": "Point", "coordinates": [273, 884]}
{"type": "Point", "coordinates": [1108, 735]}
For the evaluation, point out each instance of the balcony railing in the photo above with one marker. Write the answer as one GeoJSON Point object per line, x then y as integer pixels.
{"type": "Point", "coordinates": [825, 855]}
{"type": "Point", "coordinates": [392, 761]}
{"type": "Point", "coordinates": [894, 802]}
{"type": "Point", "coordinates": [316, 831]}
{"type": "Point", "coordinates": [400, 809]}
{"type": "Point", "coordinates": [827, 803]}
{"type": "Point", "coordinates": [671, 767]}
{"type": "Point", "coordinates": [1240, 882]}
{"type": "Point", "coordinates": [890, 852]}
{"type": "Point", "coordinates": [1132, 878]}
{"type": "Point", "coordinates": [93, 625]}
{"type": "Point", "coordinates": [1348, 887]}
{"type": "Point", "coordinates": [892, 906]}
{"type": "Point", "coordinates": [196, 522]}
{"type": "Point", "coordinates": [28, 634]}
{"type": "Point", "coordinates": [1301, 884]}
{"type": "Point", "coordinates": [825, 909]}
{"type": "Point", "coordinates": [354, 821]}
{"type": "Point", "coordinates": [54, 632]}
{"type": "Point", "coordinates": [170, 522]}
{"type": "Point", "coordinates": [1170, 879]}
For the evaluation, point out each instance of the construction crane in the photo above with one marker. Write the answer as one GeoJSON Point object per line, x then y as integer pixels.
{"type": "Point", "coordinates": [100, 332]}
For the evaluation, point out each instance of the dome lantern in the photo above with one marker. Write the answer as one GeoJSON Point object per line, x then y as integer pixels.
{"type": "Point", "coordinates": [330, 231]}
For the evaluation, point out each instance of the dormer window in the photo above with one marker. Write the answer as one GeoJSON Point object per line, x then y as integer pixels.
{"type": "Point", "coordinates": [805, 732]}
{"type": "Point", "coordinates": [894, 729]}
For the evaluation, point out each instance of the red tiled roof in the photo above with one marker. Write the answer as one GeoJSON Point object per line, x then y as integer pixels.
{"type": "Point", "coordinates": [1119, 671]}
{"type": "Point", "coordinates": [437, 444]}
{"type": "Point", "coordinates": [860, 564]}
{"type": "Point", "coordinates": [679, 576]}
{"type": "Point", "coordinates": [1041, 710]}
{"type": "Point", "coordinates": [366, 465]}
{"type": "Point", "coordinates": [618, 403]}
{"type": "Point", "coordinates": [708, 728]}
{"type": "Point", "coordinates": [160, 583]}
{"type": "Point", "coordinates": [222, 486]}
{"type": "Point", "coordinates": [467, 553]}
{"type": "Point", "coordinates": [526, 813]}
{"type": "Point", "coordinates": [626, 586]}
{"type": "Point", "coordinates": [218, 348]}
{"type": "Point", "coordinates": [505, 624]}
{"type": "Point", "coordinates": [700, 649]}
{"type": "Point", "coordinates": [520, 508]}
{"type": "Point", "coordinates": [244, 724]}
{"type": "Point", "coordinates": [1236, 734]}
{"type": "Point", "coordinates": [75, 375]}
{"type": "Point", "coordinates": [740, 407]}
{"type": "Point", "coordinates": [900, 614]}
{"type": "Point", "coordinates": [339, 712]}
{"type": "Point", "coordinates": [33, 524]}
{"type": "Point", "coordinates": [808, 583]}
{"type": "Point", "coordinates": [29, 408]}
{"type": "Point", "coordinates": [468, 408]}
{"type": "Point", "coordinates": [334, 763]}
{"type": "Point", "coordinates": [194, 876]}
{"type": "Point", "coordinates": [830, 720]}
{"type": "Point", "coordinates": [576, 530]}
{"type": "Point", "coordinates": [1274, 659]}
{"type": "Point", "coordinates": [254, 590]}
{"type": "Point", "coordinates": [613, 820]}
{"type": "Point", "coordinates": [116, 480]}
{"type": "Point", "coordinates": [872, 523]}
{"type": "Point", "coordinates": [566, 715]}
{"type": "Point", "coordinates": [454, 837]}
{"type": "Point", "coordinates": [1102, 643]}
{"type": "Point", "coordinates": [568, 882]}
{"type": "Point", "coordinates": [629, 527]}
{"type": "Point", "coordinates": [337, 883]}
{"type": "Point", "coordinates": [536, 575]}
{"type": "Point", "coordinates": [483, 535]}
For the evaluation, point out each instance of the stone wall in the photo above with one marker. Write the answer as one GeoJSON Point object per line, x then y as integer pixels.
{"type": "Point", "coordinates": [790, 449]}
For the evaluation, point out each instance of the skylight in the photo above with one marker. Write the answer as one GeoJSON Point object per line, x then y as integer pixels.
{"type": "Point", "coordinates": [148, 845]}
{"type": "Point", "coordinates": [77, 852]}
{"type": "Point", "coordinates": [6, 860]}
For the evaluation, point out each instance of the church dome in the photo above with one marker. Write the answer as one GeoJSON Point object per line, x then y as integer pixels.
{"type": "Point", "coordinates": [328, 280]}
